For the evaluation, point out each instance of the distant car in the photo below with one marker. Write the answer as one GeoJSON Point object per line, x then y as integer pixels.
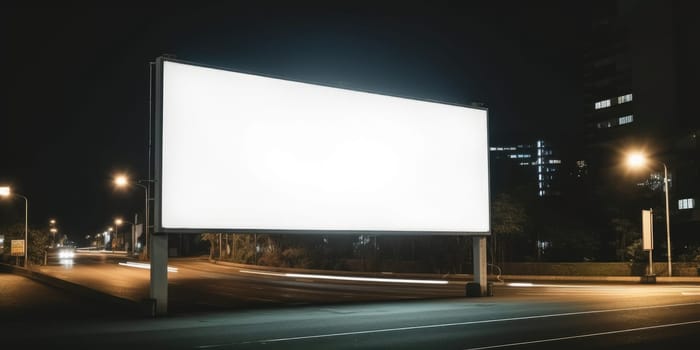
{"type": "Point", "coordinates": [60, 255]}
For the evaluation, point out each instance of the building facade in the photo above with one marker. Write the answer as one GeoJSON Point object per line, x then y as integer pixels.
{"type": "Point", "coordinates": [641, 67]}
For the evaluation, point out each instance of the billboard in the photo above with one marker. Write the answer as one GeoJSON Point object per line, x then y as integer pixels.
{"type": "Point", "coordinates": [246, 153]}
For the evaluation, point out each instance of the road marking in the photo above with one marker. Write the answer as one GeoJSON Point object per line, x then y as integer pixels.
{"type": "Point", "coordinates": [585, 335]}
{"type": "Point", "coordinates": [443, 325]}
{"type": "Point", "coordinates": [345, 278]}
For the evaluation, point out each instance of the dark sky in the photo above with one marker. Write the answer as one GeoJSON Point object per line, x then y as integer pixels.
{"type": "Point", "coordinates": [75, 79]}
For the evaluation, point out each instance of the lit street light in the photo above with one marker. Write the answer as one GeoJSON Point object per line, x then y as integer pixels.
{"type": "Point", "coordinates": [109, 234]}
{"type": "Point", "coordinates": [637, 160]}
{"type": "Point", "coordinates": [123, 181]}
{"type": "Point", "coordinates": [6, 192]}
{"type": "Point", "coordinates": [53, 230]}
{"type": "Point", "coordinates": [119, 221]}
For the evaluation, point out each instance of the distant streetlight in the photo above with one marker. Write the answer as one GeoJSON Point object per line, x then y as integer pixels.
{"type": "Point", "coordinates": [122, 181]}
{"type": "Point", "coordinates": [120, 221]}
{"type": "Point", "coordinates": [53, 230]}
{"type": "Point", "coordinates": [6, 192]}
{"type": "Point", "coordinates": [637, 160]}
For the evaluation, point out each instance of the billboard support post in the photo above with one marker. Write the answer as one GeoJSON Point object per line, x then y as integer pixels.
{"type": "Point", "coordinates": [159, 273]}
{"type": "Point", "coordinates": [480, 274]}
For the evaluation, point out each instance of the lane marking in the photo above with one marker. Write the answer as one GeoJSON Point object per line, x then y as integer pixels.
{"type": "Point", "coordinates": [345, 278]}
{"type": "Point", "coordinates": [585, 335]}
{"type": "Point", "coordinates": [443, 325]}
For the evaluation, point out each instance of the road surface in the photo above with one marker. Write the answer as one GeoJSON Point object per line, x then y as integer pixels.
{"type": "Point", "coordinates": [272, 311]}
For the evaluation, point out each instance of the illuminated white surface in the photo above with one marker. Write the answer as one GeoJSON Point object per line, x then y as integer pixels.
{"type": "Point", "coordinates": [248, 152]}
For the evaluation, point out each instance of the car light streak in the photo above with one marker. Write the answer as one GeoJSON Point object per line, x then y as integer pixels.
{"type": "Point", "coordinates": [145, 266]}
{"type": "Point", "coordinates": [518, 284]}
{"type": "Point", "coordinates": [345, 278]}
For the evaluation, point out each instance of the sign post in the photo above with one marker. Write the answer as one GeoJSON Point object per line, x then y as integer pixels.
{"type": "Point", "coordinates": [648, 243]}
{"type": "Point", "coordinates": [17, 248]}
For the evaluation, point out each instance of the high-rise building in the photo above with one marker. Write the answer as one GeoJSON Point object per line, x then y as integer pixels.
{"type": "Point", "coordinates": [537, 160]}
{"type": "Point", "coordinates": [641, 68]}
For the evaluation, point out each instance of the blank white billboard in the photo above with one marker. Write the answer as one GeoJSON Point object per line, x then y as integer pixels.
{"type": "Point", "coordinates": [242, 153]}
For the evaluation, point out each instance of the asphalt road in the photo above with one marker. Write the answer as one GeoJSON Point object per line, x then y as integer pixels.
{"type": "Point", "coordinates": [378, 316]}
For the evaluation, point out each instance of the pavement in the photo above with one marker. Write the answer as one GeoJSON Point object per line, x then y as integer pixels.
{"type": "Point", "coordinates": [131, 291]}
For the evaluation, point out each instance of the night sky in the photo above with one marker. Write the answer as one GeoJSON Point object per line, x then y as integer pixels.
{"type": "Point", "coordinates": [74, 106]}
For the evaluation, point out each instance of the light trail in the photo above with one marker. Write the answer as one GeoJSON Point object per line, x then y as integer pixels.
{"type": "Point", "coordinates": [345, 278]}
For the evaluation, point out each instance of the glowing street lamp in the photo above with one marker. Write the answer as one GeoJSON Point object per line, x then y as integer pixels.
{"type": "Point", "coordinates": [637, 160]}
{"type": "Point", "coordinates": [122, 181]}
{"type": "Point", "coordinates": [119, 221]}
{"type": "Point", "coordinates": [5, 191]}
{"type": "Point", "coordinates": [53, 230]}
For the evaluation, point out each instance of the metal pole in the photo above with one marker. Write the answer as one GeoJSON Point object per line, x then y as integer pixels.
{"type": "Point", "coordinates": [148, 246]}
{"type": "Point", "coordinates": [668, 221]}
{"type": "Point", "coordinates": [146, 221]}
{"type": "Point", "coordinates": [26, 230]}
{"type": "Point", "coordinates": [133, 234]}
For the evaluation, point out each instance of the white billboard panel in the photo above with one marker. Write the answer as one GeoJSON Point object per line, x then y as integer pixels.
{"type": "Point", "coordinates": [241, 152]}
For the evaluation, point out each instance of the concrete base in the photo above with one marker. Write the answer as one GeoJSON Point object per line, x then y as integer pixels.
{"type": "Point", "coordinates": [473, 290]}
{"type": "Point", "coordinates": [648, 279]}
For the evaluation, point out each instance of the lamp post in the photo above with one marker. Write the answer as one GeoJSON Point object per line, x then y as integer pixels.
{"type": "Point", "coordinates": [6, 192]}
{"type": "Point", "coordinates": [117, 222]}
{"type": "Point", "coordinates": [120, 221]}
{"type": "Point", "coordinates": [53, 230]}
{"type": "Point", "coordinates": [123, 181]}
{"type": "Point", "coordinates": [638, 160]}
{"type": "Point", "coordinates": [111, 236]}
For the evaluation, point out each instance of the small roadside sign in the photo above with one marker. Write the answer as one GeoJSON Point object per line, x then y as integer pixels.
{"type": "Point", "coordinates": [17, 247]}
{"type": "Point", "coordinates": [647, 230]}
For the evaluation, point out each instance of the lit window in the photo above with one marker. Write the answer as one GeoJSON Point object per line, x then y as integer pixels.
{"type": "Point", "coordinates": [602, 104]}
{"type": "Point", "coordinates": [626, 119]}
{"type": "Point", "coordinates": [554, 161]}
{"type": "Point", "coordinates": [624, 98]}
{"type": "Point", "coordinates": [687, 203]}
{"type": "Point", "coordinates": [512, 156]}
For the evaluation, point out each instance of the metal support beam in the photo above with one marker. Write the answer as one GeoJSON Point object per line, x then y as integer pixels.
{"type": "Point", "coordinates": [159, 273]}
{"type": "Point", "coordinates": [480, 274]}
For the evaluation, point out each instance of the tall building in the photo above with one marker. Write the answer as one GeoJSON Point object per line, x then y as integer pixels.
{"type": "Point", "coordinates": [641, 68]}
{"type": "Point", "coordinates": [538, 167]}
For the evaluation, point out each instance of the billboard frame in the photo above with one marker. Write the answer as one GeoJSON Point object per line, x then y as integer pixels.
{"type": "Point", "coordinates": [158, 228]}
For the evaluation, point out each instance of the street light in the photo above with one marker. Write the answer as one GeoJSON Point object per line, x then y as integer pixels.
{"type": "Point", "coordinates": [119, 221]}
{"type": "Point", "coordinates": [111, 237]}
{"type": "Point", "coordinates": [6, 192]}
{"type": "Point", "coordinates": [637, 160]}
{"type": "Point", "coordinates": [53, 230]}
{"type": "Point", "coordinates": [122, 181]}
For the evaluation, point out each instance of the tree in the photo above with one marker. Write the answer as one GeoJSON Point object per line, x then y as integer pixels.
{"type": "Point", "coordinates": [213, 239]}
{"type": "Point", "coordinates": [38, 241]}
{"type": "Point", "coordinates": [507, 224]}
{"type": "Point", "coordinates": [626, 234]}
